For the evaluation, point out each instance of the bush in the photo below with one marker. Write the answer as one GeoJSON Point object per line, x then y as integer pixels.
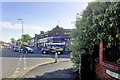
{"type": "Point", "coordinates": [100, 22]}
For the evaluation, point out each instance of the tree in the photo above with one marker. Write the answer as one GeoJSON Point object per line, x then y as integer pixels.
{"type": "Point", "coordinates": [25, 44]}
{"type": "Point", "coordinates": [19, 42]}
{"type": "Point", "coordinates": [2, 43]}
{"type": "Point", "coordinates": [26, 37]}
{"type": "Point", "coordinates": [99, 22]}
{"type": "Point", "coordinates": [13, 41]}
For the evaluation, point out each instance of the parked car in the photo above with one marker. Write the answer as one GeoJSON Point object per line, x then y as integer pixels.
{"type": "Point", "coordinates": [9, 47]}
{"type": "Point", "coordinates": [54, 48]}
{"type": "Point", "coordinates": [26, 50]}
{"type": "Point", "coordinates": [16, 49]}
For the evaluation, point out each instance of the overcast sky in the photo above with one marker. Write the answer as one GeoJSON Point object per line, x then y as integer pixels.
{"type": "Point", "coordinates": [37, 16]}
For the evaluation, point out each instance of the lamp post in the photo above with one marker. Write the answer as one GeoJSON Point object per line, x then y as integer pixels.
{"type": "Point", "coordinates": [22, 28]}
{"type": "Point", "coordinates": [78, 16]}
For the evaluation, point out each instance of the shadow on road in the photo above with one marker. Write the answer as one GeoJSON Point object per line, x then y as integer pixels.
{"type": "Point", "coordinates": [65, 74]}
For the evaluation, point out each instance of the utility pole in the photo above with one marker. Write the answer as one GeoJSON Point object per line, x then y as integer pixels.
{"type": "Point", "coordinates": [22, 29]}
{"type": "Point", "coordinates": [58, 22]}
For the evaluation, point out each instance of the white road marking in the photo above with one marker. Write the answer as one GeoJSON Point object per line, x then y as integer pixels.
{"type": "Point", "coordinates": [17, 69]}
{"type": "Point", "coordinates": [25, 64]}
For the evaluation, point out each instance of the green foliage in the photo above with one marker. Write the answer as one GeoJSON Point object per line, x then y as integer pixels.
{"type": "Point", "coordinates": [2, 43]}
{"type": "Point", "coordinates": [13, 41]}
{"type": "Point", "coordinates": [118, 61]}
{"type": "Point", "coordinates": [26, 37]}
{"type": "Point", "coordinates": [22, 41]}
{"type": "Point", "coordinates": [19, 42]}
{"type": "Point", "coordinates": [118, 36]}
{"type": "Point", "coordinates": [25, 44]}
{"type": "Point", "coordinates": [100, 22]}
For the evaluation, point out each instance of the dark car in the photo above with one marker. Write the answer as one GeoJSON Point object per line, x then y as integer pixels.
{"type": "Point", "coordinates": [26, 50]}
{"type": "Point", "coordinates": [16, 49]}
{"type": "Point", "coordinates": [54, 48]}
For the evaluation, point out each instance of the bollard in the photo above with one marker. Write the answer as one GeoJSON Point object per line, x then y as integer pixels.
{"type": "Point", "coordinates": [56, 57]}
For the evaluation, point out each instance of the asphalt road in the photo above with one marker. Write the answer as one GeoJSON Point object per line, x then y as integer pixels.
{"type": "Point", "coordinates": [13, 62]}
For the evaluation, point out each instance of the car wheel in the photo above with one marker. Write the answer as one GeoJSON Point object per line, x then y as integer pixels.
{"type": "Point", "coordinates": [44, 52]}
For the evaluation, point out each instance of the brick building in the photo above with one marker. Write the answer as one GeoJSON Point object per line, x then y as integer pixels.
{"type": "Point", "coordinates": [56, 34]}
{"type": "Point", "coordinates": [59, 31]}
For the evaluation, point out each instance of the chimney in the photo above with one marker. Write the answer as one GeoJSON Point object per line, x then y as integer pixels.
{"type": "Point", "coordinates": [41, 32]}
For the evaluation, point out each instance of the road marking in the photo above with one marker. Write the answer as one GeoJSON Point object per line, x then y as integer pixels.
{"type": "Point", "coordinates": [18, 66]}
{"type": "Point", "coordinates": [31, 68]}
{"type": "Point", "coordinates": [16, 71]}
{"type": "Point", "coordinates": [25, 64]}
{"type": "Point", "coordinates": [16, 74]}
{"type": "Point", "coordinates": [21, 73]}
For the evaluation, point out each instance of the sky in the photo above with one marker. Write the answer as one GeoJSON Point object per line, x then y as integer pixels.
{"type": "Point", "coordinates": [37, 16]}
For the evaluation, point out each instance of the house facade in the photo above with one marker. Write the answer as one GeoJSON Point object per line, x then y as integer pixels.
{"type": "Point", "coordinates": [56, 35]}
{"type": "Point", "coordinates": [31, 42]}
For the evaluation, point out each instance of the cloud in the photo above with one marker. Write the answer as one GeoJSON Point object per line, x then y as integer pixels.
{"type": "Point", "coordinates": [19, 26]}
{"type": "Point", "coordinates": [29, 27]}
{"type": "Point", "coordinates": [10, 26]}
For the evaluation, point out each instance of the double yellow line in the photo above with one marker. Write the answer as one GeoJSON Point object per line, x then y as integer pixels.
{"type": "Point", "coordinates": [21, 73]}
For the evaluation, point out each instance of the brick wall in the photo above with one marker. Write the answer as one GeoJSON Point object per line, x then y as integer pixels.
{"type": "Point", "coordinates": [106, 70]}
{"type": "Point", "coordinates": [101, 70]}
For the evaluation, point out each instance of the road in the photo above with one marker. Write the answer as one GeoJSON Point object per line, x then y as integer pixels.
{"type": "Point", "coordinates": [13, 62]}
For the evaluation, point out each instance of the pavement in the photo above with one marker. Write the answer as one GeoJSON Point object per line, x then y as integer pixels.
{"type": "Point", "coordinates": [60, 70]}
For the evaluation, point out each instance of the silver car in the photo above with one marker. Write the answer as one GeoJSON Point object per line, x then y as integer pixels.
{"type": "Point", "coordinates": [16, 49]}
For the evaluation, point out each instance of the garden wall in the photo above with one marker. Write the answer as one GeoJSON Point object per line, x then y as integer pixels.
{"type": "Point", "coordinates": [105, 69]}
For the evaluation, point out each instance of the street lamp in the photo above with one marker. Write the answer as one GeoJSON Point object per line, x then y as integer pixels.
{"type": "Point", "coordinates": [22, 27]}
{"type": "Point", "coordinates": [78, 16]}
